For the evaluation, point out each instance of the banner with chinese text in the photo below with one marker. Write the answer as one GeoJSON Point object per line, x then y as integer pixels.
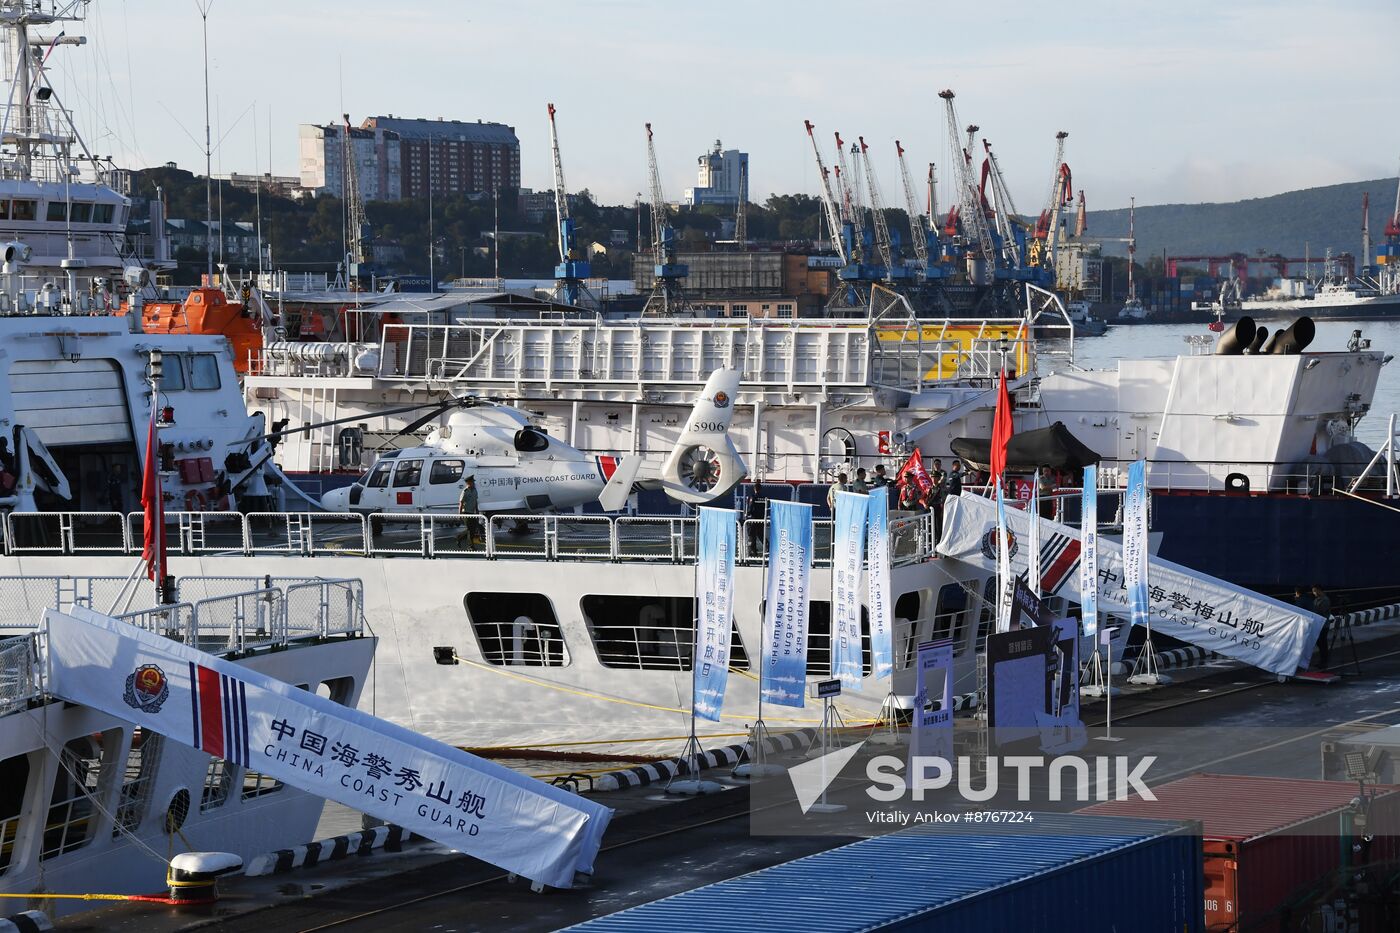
{"type": "Point", "coordinates": [714, 594]}
{"type": "Point", "coordinates": [488, 811]}
{"type": "Point", "coordinates": [786, 603]}
{"type": "Point", "coordinates": [881, 607]}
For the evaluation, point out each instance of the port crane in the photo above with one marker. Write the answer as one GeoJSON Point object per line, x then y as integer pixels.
{"type": "Point", "coordinates": [741, 225]}
{"type": "Point", "coordinates": [667, 294]}
{"type": "Point", "coordinates": [885, 244]}
{"type": "Point", "coordinates": [968, 216]}
{"type": "Point", "coordinates": [1046, 239]}
{"type": "Point", "coordinates": [1010, 229]}
{"type": "Point", "coordinates": [357, 229]}
{"type": "Point", "coordinates": [571, 274]}
{"type": "Point", "coordinates": [919, 233]}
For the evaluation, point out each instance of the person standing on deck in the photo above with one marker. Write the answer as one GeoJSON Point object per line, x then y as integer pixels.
{"type": "Point", "coordinates": [842, 484]}
{"type": "Point", "coordinates": [860, 485]}
{"type": "Point", "coordinates": [469, 505]}
{"type": "Point", "coordinates": [1322, 605]}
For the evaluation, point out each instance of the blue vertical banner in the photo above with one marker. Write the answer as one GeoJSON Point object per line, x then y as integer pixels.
{"type": "Point", "coordinates": [1135, 542]}
{"type": "Point", "coordinates": [847, 547]}
{"type": "Point", "coordinates": [714, 597]}
{"type": "Point", "coordinates": [1089, 551]}
{"type": "Point", "coordinates": [786, 603]}
{"type": "Point", "coordinates": [1004, 580]}
{"type": "Point", "coordinates": [880, 606]}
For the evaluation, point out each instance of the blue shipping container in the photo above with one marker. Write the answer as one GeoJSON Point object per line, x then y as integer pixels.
{"type": "Point", "coordinates": [1073, 873]}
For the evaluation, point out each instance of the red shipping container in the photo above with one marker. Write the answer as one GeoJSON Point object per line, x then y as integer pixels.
{"type": "Point", "coordinates": [189, 471]}
{"type": "Point", "coordinates": [206, 469]}
{"type": "Point", "coordinates": [1271, 844]}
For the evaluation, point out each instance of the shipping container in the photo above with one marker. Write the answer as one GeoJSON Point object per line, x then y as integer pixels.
{"type": "Point", "coordinates": [1272, 846]}
{"type": "Point", "coordinates": [1068, 873]}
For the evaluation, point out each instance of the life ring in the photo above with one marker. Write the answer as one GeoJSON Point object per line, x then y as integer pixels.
{"type": "Point", "coordinates": [196, 501]}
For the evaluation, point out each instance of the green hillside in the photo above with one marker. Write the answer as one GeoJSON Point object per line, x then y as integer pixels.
{"type": "Point", "coordinates": [1314, 219]}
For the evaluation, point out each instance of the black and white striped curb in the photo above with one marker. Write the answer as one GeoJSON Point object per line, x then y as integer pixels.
{"type": "Point", "coordinates": [391, 838]}
{"type": "Point", "coordinates": [657, 771]}
{"type": "Point", "coordinates": [1367, 616]}
{"type": "Point", "coordinates": [1190, 656]}
{"type": "Point", "coordinates": [31, 921]}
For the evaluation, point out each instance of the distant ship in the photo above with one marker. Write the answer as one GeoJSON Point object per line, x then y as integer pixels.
{"type": "Point", "coordinates": [1330, 300]}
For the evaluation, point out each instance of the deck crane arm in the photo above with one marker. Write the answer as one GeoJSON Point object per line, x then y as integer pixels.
{"type": "Point", "coordinates": [877, 209]}
{"type": "Point", "coordinates": [1392, 228]}
{"type": "Point", "coordinates": [918, 226]}
{"type": "Point", "coordinates": [833, 212]}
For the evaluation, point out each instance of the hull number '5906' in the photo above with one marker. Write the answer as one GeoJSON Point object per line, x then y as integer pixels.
{"type": "Point", "coordinates": [708, 427]}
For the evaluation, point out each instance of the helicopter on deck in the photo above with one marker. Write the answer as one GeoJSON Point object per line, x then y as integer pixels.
{"type": "Point", "coordinates": [520, 468]}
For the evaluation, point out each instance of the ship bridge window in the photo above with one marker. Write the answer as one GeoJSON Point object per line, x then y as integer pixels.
{"type": "Point", "coordinates": [654, 633]}
{"type": "Point", "coordinates": [445, 471]}
{"type": "Point", "coordinates": [56, 211]}
{"type": "Point", "coordinates": [14, 782]}
{"type": "Point", "coordinates": [81, 212]}
{"type": "Point", "coordinates": [102, 213]}
{"type": "Point", "coordinates": [379, 476]}
{"type": "Point", "coordinates": [409, 473]}
{"type": "Point", "coordinates": [22, 210]}
{"type": "Point", "coordinates": [204, 371]}
{"type": "Point", "coordinates": [81, 778]}
{"type": "Point", "coordinates": [172, 373]}
{"type": "Point", "coordinates": [531, 440]}
{"type": "Point", "coordinates": [516, 629]}
{"type": "Point", "coordinates": [4, 208]}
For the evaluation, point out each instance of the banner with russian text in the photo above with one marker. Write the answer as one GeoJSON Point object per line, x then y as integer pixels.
{"type": "Point", "coordinates": [879, 605]}
{"type": "Point", "coordinates": [1089, 551]}
{"type": "Point", "coordinates": [1135, 543]}
{"type": "Point", "coordinates": [714, 595]}
{"type": "Point", "coordinates": [1033, 538]}
{"type": "Point", "coordinates": [847, 544]}
{"type": "Point", "coordinates": [475, 806]}
{"type": "Point", "coordinates": [786, 603]}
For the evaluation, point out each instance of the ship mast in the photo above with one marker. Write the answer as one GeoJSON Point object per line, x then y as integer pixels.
{"type": "Point", "coordinates": [204, 6]}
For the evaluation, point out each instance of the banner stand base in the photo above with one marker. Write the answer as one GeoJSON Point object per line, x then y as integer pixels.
{"type": "Point", "coordinates": [1145, 673]}
{"type": "Point", "coordinates": [1094, 684]}
{"type": "Point", "coordinates": [756, 766]}
{"type": "Point", "coordinates": [827, 739]}
{"type": "Point", "coordinates": [885, 730]}
{"type": "Point", "coordinates": [827, 808]}
{"type": "Point", "coordinates": [692, 786]}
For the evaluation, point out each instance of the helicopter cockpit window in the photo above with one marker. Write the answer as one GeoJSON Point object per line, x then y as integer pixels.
{"type": "Point", "coordinates": [408, 473]}
{"type": "Point", "coordinates": [379, 476]}
{"type": "Point", "coordinates": [445, 471]}
{"type": "Point", "coordinates": [531, 440]}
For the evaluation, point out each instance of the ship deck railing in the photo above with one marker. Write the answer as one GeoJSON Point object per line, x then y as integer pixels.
{"type": "Point", "coordinates": [217, 614]}
{"type": "Point", "coordinates": [429, 534]}
{"type": "Point", "coordinates": [649, 356]}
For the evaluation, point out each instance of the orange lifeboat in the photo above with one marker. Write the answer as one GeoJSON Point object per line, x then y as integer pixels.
{"type": "Point", "coordinates": [206, 311]}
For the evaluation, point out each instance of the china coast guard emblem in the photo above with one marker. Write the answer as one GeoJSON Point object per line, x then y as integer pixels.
{"type": "Point", "coordinates": [146, 689]}
{"type": "Point", "coordinates": [721, 399]}
{"type": "Point", "coordinates": [989, 544]}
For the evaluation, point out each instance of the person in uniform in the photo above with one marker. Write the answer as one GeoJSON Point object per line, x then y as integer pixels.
{"type": "Point", "coordinates": [469, 504]}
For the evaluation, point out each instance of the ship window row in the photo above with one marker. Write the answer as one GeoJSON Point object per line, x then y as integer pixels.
{"type": "Point", "coordinates": [84, 212]}
{"type": "Point", "coordinates": [197, 371]}
{"type": "Point", "coordinates": [628, 632]}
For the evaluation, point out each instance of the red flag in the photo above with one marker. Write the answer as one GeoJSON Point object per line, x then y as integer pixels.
{"type": "Point", "coordinates": [153, 544]}
{"type": "Point", "coordinates": [913, 471]}
{"type": "Point", "coordinates": [1002, 430]}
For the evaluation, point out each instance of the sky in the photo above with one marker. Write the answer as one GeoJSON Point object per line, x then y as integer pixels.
{"type": "Point", "coordinates": [1184, 101]}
